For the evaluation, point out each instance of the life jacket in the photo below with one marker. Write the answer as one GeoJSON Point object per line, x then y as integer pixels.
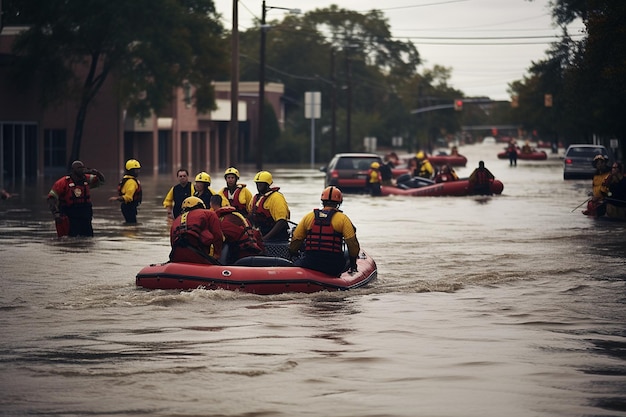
{"type": "Point", "coordinates": [188, 234]}
{"type": "Point", "coordinates": [234, 201]}
{"type": "Point", "coordinates": [385, 172]}
{"type": "Point", "coordinates": [78, 193]}
{"type": "Point", "coordinates": [322, 236]}
{"type": "Point", "coordinates": [180, 194]}
{"type": "Point", "coordinates": [249, 240]}
{"type": "Point", "coordinates": [137, 197]}
{"type": "Point", "coordinates": [373, 176]}
{"type": "Point", "coordinates": [205, 197]}
{"type": "Point", "coordinates": [425, 169]}
{"type": "Point", "coordinates": [482, 177]}
{"type": "Point", "coordinates": [444, 177]}
{"type": "Point", "coordinates": [614, 186]}
{"type": "Point", "coordinates": [260, 216]}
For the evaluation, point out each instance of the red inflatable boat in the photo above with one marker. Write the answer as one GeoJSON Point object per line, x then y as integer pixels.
{"type": "Point", "coordinates": [258, 275]}
{"type": "Point", "coordinates": [450, 188]}
{"type": "Point", "coordinates": [452, 160]}
{"type": "Point", "coordinates": [531, 156]}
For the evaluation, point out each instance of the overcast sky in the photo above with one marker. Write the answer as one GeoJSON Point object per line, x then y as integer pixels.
{"type": "Point", "coordinates": [487, 43]}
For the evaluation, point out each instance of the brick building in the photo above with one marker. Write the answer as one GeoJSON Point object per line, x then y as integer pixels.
{"type": "Point", "coordinates": [36, 142]}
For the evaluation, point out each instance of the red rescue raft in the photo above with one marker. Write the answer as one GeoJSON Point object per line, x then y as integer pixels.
{"type": "Point", "coordinates": [452, 160]}
{"type": "Point", "coordinates": [258, 275]}
{"type": "Point", "coordinates": [450, 188]}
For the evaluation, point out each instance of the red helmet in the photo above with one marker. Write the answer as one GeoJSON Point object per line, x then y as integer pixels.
{"type": "Point", "coordinates": [332, 194]}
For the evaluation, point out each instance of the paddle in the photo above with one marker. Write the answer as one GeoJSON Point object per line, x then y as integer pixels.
{"type": "Point", "coordinates": [586, 201]}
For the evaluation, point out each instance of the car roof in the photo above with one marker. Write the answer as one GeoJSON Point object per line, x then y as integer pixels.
{"type": "Point", "coordinates": [357, 155]}
{"type": "Point", "coordinates": [585, 145]}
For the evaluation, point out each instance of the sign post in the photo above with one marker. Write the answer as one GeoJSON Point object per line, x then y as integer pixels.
{"type": "Point", "coordinates": [312, 110]}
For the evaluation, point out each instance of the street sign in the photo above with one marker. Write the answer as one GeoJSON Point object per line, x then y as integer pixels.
{"type": "Point", "coordinates": [312, 110]}
{"type": "Point", "coordinates": [312, 105]}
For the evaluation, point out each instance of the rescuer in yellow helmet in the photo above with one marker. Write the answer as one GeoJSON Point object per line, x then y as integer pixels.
{"type": "Point", "coordinates": [237, 194]}
{"type": "Point", "coordinates": [202, 185]}
{"type": "Point", "coordinates": [374, 179]}
{"type": "Point", "coordinates": [425, 168]}
{"type": "Point", "coordinates": [268, 210]}
{"type": "Point", "coordinates": [129, 192]}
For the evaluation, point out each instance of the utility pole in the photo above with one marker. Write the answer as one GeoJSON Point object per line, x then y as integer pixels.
{"type": "Point", "coordinates": [234, 90]}
{"type": "Point", "coordinates": [260, 127]}
{"type": "Point", "coordinates": [333, 104]}
{"type": "Point", "coordinates": [349, 103]}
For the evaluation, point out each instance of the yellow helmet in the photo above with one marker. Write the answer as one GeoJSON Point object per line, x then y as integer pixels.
{"type": "Point", "coordinates": [375, 165]}
{"type": "Point", "coordinates": [332, 194]}
{"type": "Point", "coordinates": [419, 155]}
{"type": "Point", "coordinates": [203, 177]}
{"type": "Point", "coordinates": [264, 176]}
{"type": "Point", "coordinates": [233, 171]}
{"type": "Point", "coordinates": [132, 164]}
{"type": "Point", "coordinates": [191, 203]}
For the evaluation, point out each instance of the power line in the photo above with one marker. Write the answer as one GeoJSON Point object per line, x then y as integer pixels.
{"type": "Point", "coordinates": [487, 38]}
{"type": "Point", "coordinates": [420, 5]}
{"type": "Point", "coordinates": [417, 42]}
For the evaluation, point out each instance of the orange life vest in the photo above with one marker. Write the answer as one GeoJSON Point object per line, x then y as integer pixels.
{"type": "Point", "coordinates": [238, 205]}
{"type": "Point", "coordinates": [482, 177]}
{"type": "Point", "coordinates": [260, 216]}
{"type": "Point", "coordinates": [322, 236]}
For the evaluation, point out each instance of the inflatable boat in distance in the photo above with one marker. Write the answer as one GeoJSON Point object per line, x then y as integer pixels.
{"type": "Point", "coordinates": [451, 188]}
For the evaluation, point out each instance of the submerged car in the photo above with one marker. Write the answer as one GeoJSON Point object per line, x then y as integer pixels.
{"type": "Point", "coordinates": [348, 171]}
{"type": "Point", "coordinates": [578, 160]}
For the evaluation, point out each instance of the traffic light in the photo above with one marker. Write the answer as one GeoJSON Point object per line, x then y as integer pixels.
{"type": "Point", "coordinates": [458, 104]}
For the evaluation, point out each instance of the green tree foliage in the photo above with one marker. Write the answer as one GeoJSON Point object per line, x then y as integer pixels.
{"type": "Point", "coordinates": [587, 78]}
{"type": "Point", "coordinates": [148, 47]}
{"type": "Point", "coordinates": [332, 49]}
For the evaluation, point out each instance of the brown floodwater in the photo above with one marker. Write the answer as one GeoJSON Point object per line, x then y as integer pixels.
{"type": "Point", "coordinates": [512, 305]}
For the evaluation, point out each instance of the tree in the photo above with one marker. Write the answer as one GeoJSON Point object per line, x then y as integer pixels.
{"type": "Point", "coordinates": [148, 47]}
{"type": "Point", "coordinates": [350, 49]}
{"type": "Point", "coordinates": [587, 76]}
{"type": "Point", "coordinates": [342, 47]}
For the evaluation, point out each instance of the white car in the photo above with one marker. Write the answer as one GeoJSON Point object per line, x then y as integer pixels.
{"type": "Point", "coordinates": [578, 160]}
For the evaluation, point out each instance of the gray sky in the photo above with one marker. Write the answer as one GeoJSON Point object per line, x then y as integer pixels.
{"type": "Point", "coordinates": [487, 43]}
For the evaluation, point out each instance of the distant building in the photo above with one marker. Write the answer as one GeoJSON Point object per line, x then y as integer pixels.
{"type": "Point", "coordinates": [37, 143]}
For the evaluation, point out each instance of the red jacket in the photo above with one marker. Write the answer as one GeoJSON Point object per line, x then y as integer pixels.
{"type": "Point", "coordinates": [238, 230]}
{"type": "Point", "coordinates": [199, 228]}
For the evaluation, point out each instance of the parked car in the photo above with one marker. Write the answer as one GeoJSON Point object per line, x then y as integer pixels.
{"type": "Point", "coordinates": [578, 160]}
{"type": "Point", "coordinates": [348, 171]}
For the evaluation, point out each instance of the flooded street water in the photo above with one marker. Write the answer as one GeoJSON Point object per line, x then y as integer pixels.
{"type": "Point", "coordinates": [508, 306]}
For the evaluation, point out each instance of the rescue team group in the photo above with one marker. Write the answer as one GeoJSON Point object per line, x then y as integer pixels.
{"type": "Point", "coordinates": [217, 227]}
